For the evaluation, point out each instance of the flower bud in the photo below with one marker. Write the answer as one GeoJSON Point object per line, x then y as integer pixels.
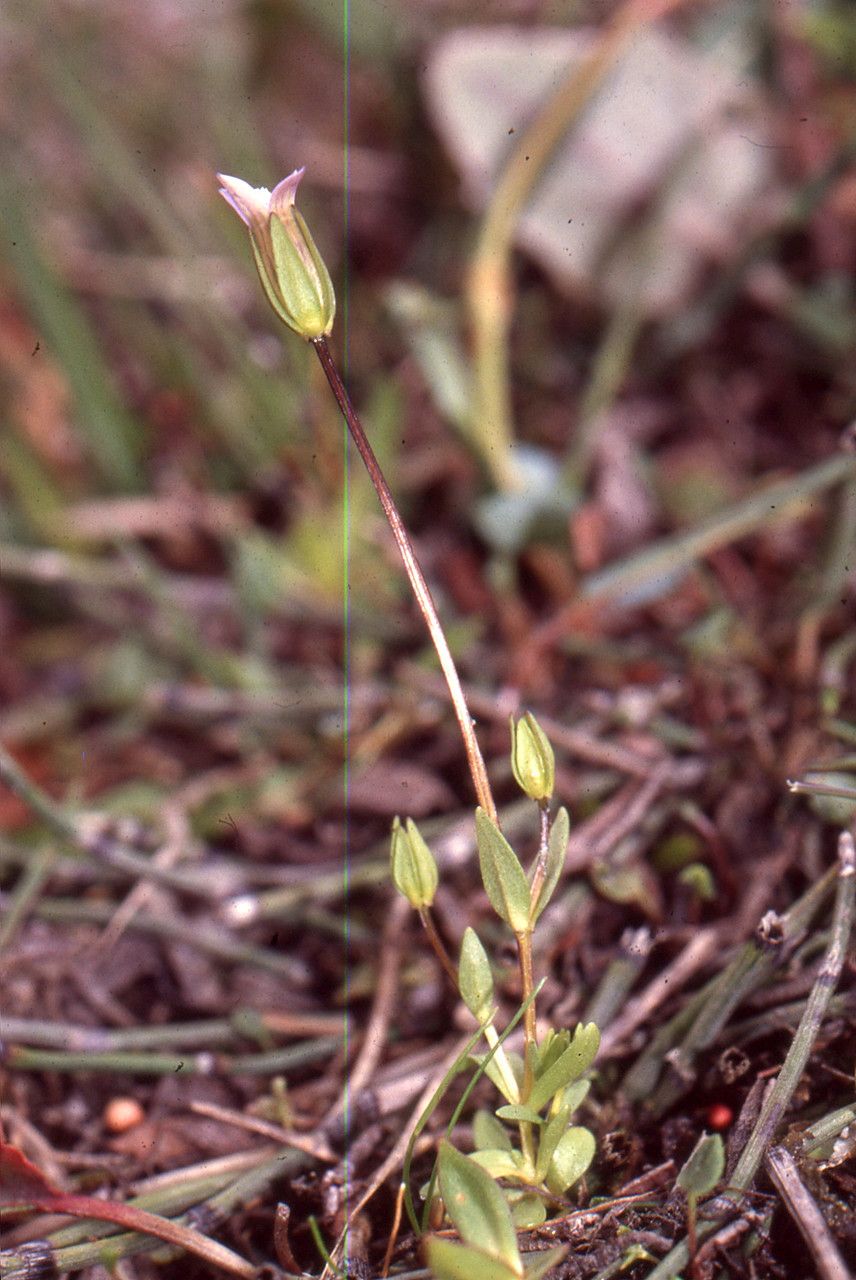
{"type": "Point", "coordinates": [414, 871]}
{"type": "Point", "coordinates": [292, 271]}
{"type": "Point", "coordinates": [532, 761]}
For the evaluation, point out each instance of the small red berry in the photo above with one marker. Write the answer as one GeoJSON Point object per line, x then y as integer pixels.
{"type": "Point", "coordinates": [719, 1116]}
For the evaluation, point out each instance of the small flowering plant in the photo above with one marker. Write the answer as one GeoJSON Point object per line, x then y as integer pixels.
{"type": "Point", "coordinates": [528, 1143]}
{"type": "Point", "coordinates": [528, 1153]}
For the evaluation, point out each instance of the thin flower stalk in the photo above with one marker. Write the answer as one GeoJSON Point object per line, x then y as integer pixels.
{"type": "Point", "coordinates": [415, 575]}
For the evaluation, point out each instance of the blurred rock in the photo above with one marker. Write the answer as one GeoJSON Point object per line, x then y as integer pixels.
{"type": "Point", "coordinates": [671, 127]}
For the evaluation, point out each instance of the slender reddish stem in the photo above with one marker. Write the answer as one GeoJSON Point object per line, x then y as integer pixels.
{"type": "Point", "coordinates": [415, 574]}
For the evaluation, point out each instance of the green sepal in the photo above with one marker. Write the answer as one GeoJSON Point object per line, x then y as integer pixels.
{"type": "Point", "coordinates": [477, 1207]}
{"type": "Point", "coordinates": [503, 877]}
{"type": "Point", "coordinates": [575, 1060]}
{"type": "Point", "coordinates": [451, 1261]}
{"type": "Point", "coordinates": [475, 979]}
{"type": "Point", "coordinates": [300, 277]}
{"type": "Point", "coordinates": [573, 1155]}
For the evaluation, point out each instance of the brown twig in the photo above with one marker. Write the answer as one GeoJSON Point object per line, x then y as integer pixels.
{"type": "Point", "coordinates": [383, 1006]}
{"type": "Point", "coordinates": [802, 1207]}
{"type": "Point", "coordinates": [694, 955]}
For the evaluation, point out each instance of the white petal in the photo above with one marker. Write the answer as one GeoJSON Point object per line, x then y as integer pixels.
{"type": "Point", "coordinates": [283, 194]}
{"type": "Point", "coordinates": [250, 203]}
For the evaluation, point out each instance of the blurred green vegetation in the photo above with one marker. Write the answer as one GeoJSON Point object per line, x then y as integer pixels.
{"type": "Point", "coordinates": [144, 377]}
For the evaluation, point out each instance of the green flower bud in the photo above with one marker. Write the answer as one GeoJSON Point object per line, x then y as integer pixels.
{"type": "Point", "coordinates": [292, 271]}
{"type": "Point", "coordinates": [532, 759]}
{"type": "Point", "coordinates": [414, 871]}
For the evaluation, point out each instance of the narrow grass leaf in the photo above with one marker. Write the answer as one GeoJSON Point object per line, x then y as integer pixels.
{"type": "Point", "coordinates": [423, 1120]}
{"type": "Point", "coordinates": [113, 438]}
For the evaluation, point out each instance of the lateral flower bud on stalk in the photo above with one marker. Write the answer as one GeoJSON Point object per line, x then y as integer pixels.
{"type": "Point", "coordinates": [291, 269]}
{"type": "Point", "coordinates": [532, 761]}
{"type": "Point", "coordinates": [414, 871]}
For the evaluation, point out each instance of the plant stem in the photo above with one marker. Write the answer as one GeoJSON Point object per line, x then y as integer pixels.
{"type": "Point", "coordinates": [415, 575]}
{"type": "Point", "coordinates": [437, 944]}
{"type": "Point", "coordinates": [504, 1066]}
{"type": "Point", "coordinates": [524, 955]}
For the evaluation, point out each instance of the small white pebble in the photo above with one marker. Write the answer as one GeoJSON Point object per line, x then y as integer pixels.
{"type": "Point", "coordinates": [122, 1114]}
{"type": "Point", "coordinates": [240, 910]}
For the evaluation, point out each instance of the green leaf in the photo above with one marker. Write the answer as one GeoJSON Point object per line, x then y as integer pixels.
{"type": "Point", "coordinates": [572, 1157]}
{"type": "Point", "coordinates": [551, 1047]}
{"type": "Point", "coordinates": [557, 848]}
{"type": "Point", "coordinates": [551, 1134]}
{"type": "Point", "coordinates": [574, 1094]}
{"type": "Point", "coordinates": [504, 879]}
{"type": "Point", "coordinates": [451, 1261]}
{"type": "Point", "coordinates": [699, 879]}
{"type": "Point", "coordinates": [527, 1210]}
{"type": "Point", "coordinates": [488, 1133]}
{"type": "Point", "coordinates": [705, 1166]}
{"type": "Point", "coordinates": [541, 506]}
{"type": "Point", "coordinates": [519, 1113]}
{"type": "Point", "coordinates": [112, 437]}
{"type": "Point", "coordinates": [493, 1073]}
{"type": "Point", "coordinates": [477, 1207]}
{"type": "Point", "coordinates": [575, 1060]}
{"type": "Point", "coordinates": [538, 1264]}
{"type": "Point", "coordinates": [458, 1065]}
{"type": "Point", "coordinates": [626, 884]}
{"type": "Point", "coordinates": [499, 1163]}
{"type": "Point", "coordinates": [475, 979]}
